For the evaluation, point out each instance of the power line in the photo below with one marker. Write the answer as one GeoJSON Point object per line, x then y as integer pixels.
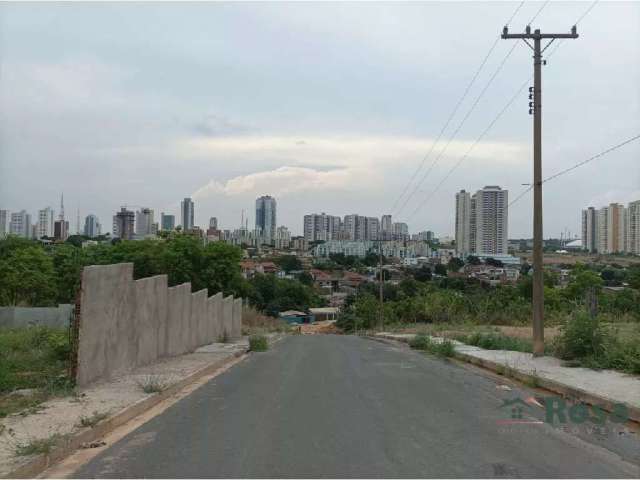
{"type": "Point", "coordinates": [459, 127]}
{"type": "Point", "coordinates": [451, 115]}
{"type": "Point", "coordinates": [538, 12]}
{"type": "Point", "coordinates": [579, 164]}
{"type": "Point", "coordinates": [475, 143]}
{"type": "Point", "coordinates": [584, 14]}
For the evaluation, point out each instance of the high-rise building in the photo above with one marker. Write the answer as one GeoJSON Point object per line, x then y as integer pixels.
{"type": "Point", "coordinates": [611, 229]}
{"type": "Point", "coordinates": [386, 227]}
{"type": "Point", "coordinates": [213, 223]}
{"type": "Point", "coordinates": [144, 222]}
{"type": "Point", "coordinates": [321, 227]}
{"type": "Point", "coordinates": [632, 228]}
{"type": "Point", "coordinates": [487, 222]}
{"type": "Point", "coordinates": [187, 214]}
{"type": "Point", "coordinates": [355, 227]}
{"type": "Point", "coordinates": [372, 228]}
{"type": "Point", "coordinates": [167, 222]}
{"type": "Point", "coordinates": [92, 226]}
{"type": "Point", "coordinates": [20, 224]}
{"type": "Point", "coordinates": [463, 223]}
{"type": "Point", "coordinates": [123, 224]}
{"type": "Point", "coordinates": [590, 230]}
{"type": "Point", "coordinates": [400, 231]}
{"type": "Point", "coordinates": [266, 217]}
{"type": "Point", "coordinates": [3, 223]}
{"type": "Point", "coordinates": [283, 237]}
{"type": "Point", "coordinates": [44, 227]}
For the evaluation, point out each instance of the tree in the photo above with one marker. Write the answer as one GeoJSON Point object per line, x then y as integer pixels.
{"type": "Point", "coordinates": [422, 274]}
{"type": "Point", "coordinates": [494, 263]}
{"type": "Point", "coordinates": [68, 262]}
{"type": "Point", "coordinates": [473, 260]}
{"type": "Point", "coordinates": [76, 240]}
{"type": "Point", "coordinates": [306, 279]}
{"type": "Point", "coordinates": [289, 263]}
{"type": "Point", "coordinates": [441, 270]}
{"type": "Point", "coordinates": [220, 269]}
{"type": "Point", "coordinates": [27, 276]}
{"type": "Point", "coordinates": [455, 264]}
{"type": "Point", "coordinates": [582, 281]}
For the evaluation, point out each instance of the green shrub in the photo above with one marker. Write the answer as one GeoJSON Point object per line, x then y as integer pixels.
{"type": "Point", "coordinates": [420, 342]}
{"type": "Point", "coordinates": [497, 341]}
{"type": "Point", "coordinates": [581, 337]}
{"type": "Point", "coordinates": [258, 343]}
{"type": "Point", "coordinates": [443, 348]}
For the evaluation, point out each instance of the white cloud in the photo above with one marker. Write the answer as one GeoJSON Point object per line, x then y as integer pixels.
{"type": "Point", "coordinates": [288, 180]}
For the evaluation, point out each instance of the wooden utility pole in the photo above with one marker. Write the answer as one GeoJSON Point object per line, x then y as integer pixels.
{"type": "Point", "coordinates": [536, 109]}
{"type": "Point", "coordinates": [381, 280]}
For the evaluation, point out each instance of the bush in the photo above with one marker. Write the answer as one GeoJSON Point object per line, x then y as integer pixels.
{"type": "Point", "coordinates": [581, 337]}
{"type": "Point", "coordinates": [258, 343]}
{"type": "Point", "coordinates": [444, 348]}
{"type": "Point", "coordinates": [496, 341]}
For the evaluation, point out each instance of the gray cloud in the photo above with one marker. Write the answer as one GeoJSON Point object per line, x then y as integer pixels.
{"type": "Point", "coordinates": [347, 97]}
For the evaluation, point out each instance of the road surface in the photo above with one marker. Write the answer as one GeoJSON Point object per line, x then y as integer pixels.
{"type": "Point", "coordinates": [343, 406]}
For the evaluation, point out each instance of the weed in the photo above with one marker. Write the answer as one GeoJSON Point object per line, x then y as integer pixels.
{"type": "Point", "coordinates": [496, 341]}
{"type": "Point", "coordinates": [258, 343]}
{"type": "Point", "coordinates": [532, 380]}
{"type": "Point", "coordinates": [152, 384]}
{"type": "Point", "coordinates": [38, 446]}
{"type": "Point", "coordinates": [93, 419]}
{"type": "Point", "coordinates": [444, 348]}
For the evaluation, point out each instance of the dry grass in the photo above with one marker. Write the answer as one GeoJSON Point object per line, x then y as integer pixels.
{"type": "Point", "coordinates": [254, 322]}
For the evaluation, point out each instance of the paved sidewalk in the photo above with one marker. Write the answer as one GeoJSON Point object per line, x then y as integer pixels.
{"type": "Point", "coordinates": [109, 401]}
{"type": "Point", "coordinates": [590, 386]}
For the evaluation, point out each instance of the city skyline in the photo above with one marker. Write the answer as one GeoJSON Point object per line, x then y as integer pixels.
{"type": "Point", "coordinates": [346, 144]}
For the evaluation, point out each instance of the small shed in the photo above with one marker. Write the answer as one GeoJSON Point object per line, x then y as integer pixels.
{"type": "Point", "coordinates": [295, 316]}
{"type": "Point", "coordinates": [325, 313]}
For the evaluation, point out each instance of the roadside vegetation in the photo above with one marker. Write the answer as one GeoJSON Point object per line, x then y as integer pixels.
{"type": "Point", "coordinates": [442, 347]}
{"type": "Point", "coordinates": [489, 317]}
{"type": "Point", "coordinates": [38, 275]}
{"type": "Point", "coordinates": [34, 365]}
{"type": "Point", "coordinates": [258, 343]}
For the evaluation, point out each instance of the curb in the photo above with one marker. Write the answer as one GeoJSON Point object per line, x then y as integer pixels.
{"type": "Point", "coordinates": [73, 442]}
{"type": "Point", "coordinates": [565, 391]}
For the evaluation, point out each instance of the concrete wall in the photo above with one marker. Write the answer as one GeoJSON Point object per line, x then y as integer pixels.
{"type": "Point", "coordinates": [236, 327]}
{"type": "Point", "coordinates": [18, 317]}
{"type": "Point", "coordinates": [227, 317]}
{"type": "Point", "coordinates": [126, 323]}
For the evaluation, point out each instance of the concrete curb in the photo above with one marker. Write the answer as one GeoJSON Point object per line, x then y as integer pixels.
{"type": "Point", "coordinates": [73, 442]}
{"type": "Point", "coordinates": [566, 391]}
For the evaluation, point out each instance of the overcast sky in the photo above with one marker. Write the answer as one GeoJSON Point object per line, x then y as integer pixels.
{"type": "Point", "coordinates": [328, 107]}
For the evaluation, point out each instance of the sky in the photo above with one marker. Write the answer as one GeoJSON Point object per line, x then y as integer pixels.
{"type": "Point", "coordinates": [329, 107]}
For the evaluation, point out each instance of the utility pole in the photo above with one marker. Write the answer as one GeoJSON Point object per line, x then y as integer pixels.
{"type": "Point", "coordinates": [536, 110]}
{"type": "Point", "coordinates": [381, 279]}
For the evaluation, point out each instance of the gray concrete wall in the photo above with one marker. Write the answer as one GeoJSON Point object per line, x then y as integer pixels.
{"type": "Point", "coordinates": [217, 317]}
{"type": "Point", "coordinates": [126, 323]}
{"type": "Point", "coordinates": [236, 328]}
{"type": "Point", "coordinates": [227, 317]}
{"type": "Point", "coordinates": [19, 317]}
{"type": "Point", "coordinates": [106, 335]}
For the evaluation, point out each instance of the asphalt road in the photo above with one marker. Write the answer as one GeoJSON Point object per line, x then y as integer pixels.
{"type": "Point", "coordinates": [343, 406]}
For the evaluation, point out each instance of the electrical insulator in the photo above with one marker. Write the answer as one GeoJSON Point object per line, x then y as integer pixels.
{"type": "Point", "coordinates": [530, 104]}
{"type": "Point", "coordinates": [530, 89]}
{"type": "Point", "coordinates": [530, 111]}
{"type": "Point", "coordinates": [531, 96]}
